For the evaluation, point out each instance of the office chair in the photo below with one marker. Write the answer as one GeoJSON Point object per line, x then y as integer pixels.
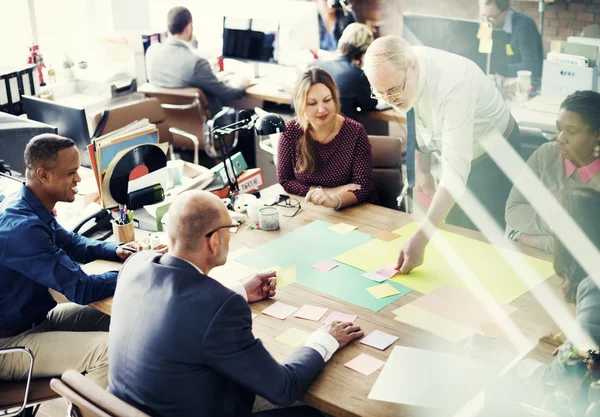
{"type": "Point", "coordinates": [387, 169]}
{"type": "Point", "coordinates": [86, 399]}
{"type": "Point", "coordinates": [23, 398]}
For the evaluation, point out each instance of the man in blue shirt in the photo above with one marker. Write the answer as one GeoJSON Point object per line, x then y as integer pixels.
{"type": "Point", "coordinates": [36, 254]}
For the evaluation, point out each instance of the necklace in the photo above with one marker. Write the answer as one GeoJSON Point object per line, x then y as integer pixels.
{"type": "Point", "coordinates": [328, 134]}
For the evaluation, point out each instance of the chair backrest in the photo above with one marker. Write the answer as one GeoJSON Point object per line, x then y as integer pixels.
{"type": "Point", "coordinates": [531, 139]}
{"type": "Point", "coordinates": [387, 168]}
{"type": "Point", "coordinates": [89, 400]}
{"type": "Point", "coordinates": [190, 120]}
{"type": "Point", "coordinates": [124, 114]}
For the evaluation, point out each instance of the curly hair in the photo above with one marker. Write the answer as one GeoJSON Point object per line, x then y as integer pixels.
{"type": "Point", "coordinates": [586, 104]}
{"type": "Point", "coordinates": [42, 150]}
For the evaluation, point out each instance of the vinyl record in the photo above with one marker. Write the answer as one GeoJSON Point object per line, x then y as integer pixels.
{"type": "Point", "coordinates": [135, 163]}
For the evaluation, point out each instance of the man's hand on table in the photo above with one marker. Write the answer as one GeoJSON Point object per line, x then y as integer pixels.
{"type": "Point", "coordinates": [260, 286]}
{"type": "Point", "coordinates": [131, 248]}
{"type": "Point", "coordinates": [343, 332]}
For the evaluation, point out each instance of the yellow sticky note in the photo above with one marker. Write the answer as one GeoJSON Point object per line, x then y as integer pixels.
{"type": "Point", "coordinates": [509, 50]}
{"type": "Point", "coordinates": [485, 31]}
{"type": "Point", "coordinates": [293, 337]}
{"type": "Point", "coordinates": [382, 291]}
{"type": "Point", "coordinates": [485, 46]}
{"type": "Point", "coordinates": [274, 268]}
{"type": "Point", "coordinates": [342, 228]}
{"type": "Point", "coordinates": [286, 276]}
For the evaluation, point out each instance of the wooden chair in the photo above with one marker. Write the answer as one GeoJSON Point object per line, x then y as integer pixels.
{"type": "Point", "coordinates": [387, 169]}
{"type": "Point", "coordinates": [23, 398]}
{"type": "Point", "coordinates": [86, 399]}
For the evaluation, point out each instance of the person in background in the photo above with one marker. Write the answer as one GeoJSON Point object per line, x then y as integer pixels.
{"type": "Point", "coordinates": [181, 343]}
{"type": "Point", "coordinates": [573, 161]}
{"type": "Point", "coordinates": [525, 50]}
{"type": "Point", "coordinates": [334, 17]}
{"type": "Point", "coordinates": [323, 155]}
{"type": "Point", "coordinates": [174, 64]}
{"type": "Point", "coordinates": [37, 254]}
{"type": "Point", "coordinates": [355, 90]}
{"type": "Point", "coordinates": [450, 112]}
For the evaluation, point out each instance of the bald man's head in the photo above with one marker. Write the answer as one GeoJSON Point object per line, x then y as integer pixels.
{"type": "Point", "coordinates": [192, 215]}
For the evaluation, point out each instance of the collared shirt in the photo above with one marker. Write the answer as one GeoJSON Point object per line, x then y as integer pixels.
{"type": "Point", "coordinates": [586, 172]}
{"type": "Point", "coordinates": [321, 341]}
{"type": "Point", "coordinates": [36, 253]}
{"type": "Point", "coordinates": [328, 41]}
{"type": "Point", "coordinates": [508, 22]}
{"type": "Point", "coordinates": [457, 106]}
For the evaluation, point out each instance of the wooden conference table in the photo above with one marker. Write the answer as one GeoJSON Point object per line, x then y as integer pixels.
{"type": "Point", "coordinates": [338, 390]}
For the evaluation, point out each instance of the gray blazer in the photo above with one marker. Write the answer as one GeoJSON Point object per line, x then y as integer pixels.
{"type": "Point", "coordinates": [181, 344]}
{"type": "Point", "coordinates": [172, 64]}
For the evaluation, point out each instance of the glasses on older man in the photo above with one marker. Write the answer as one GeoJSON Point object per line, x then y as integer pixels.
{"type": "Point", "coordinates": [396, 91]}
{"type": "Point", "coordinates": [230, 226]}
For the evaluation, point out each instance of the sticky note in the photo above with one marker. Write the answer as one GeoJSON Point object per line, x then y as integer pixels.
{"type": "Point", "coordinates": [509, 50]}
{"type": "Point", "coordinates": [379, 340]}
{"type": "Point", "coordinates": [388, 271]}
{"type": "Point", "coordinates": [432, 323]}
{"type": "Point", "coordinates": [385, 236]}
{"type": "Point", "coordinates": [364, 364]}
{"type": "Point", "coordinates": [279, 310]}
{"type": "Point", "coordinates": [485, 46]}
{"type": "Point", "coordinates": [342, 228]}
{"type": "Point", "coordinates": [337, 316]}
{"type": "Point", "coordinates": [382, 291]}
{"type": "Point", "coordinates": [424, 199]}
{"type": "Point", "coordinates": [324, 266]}
{"type": "Point", "coordinates": [273, 268]}
{"type": "Point", "coordinates": [485, 31]}
{"type": "Point", "coordinates": [286, 276]}
{"type": "Point", "coordinates": [254, 316]}
{"type": "Point", "coordinates": [374, 276]}
{"type": "Point", "coordinates": [311, 313]}
{"type": "Point", "coordinates": [491, 330]}
{"type": "Point", "coordinates": [293, 337]}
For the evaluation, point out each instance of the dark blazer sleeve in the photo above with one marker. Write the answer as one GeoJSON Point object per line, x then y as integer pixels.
{"type": "Point", "coordinates": [206, 80]}
{"type": "Point", "coordinates": [230, 348]}
{"type": "Point", "coordinates": [588, 308]}
{"type": "Point", "coordinates": [527, 43]}
{"type": "Point", "coordinates": [363, 94]}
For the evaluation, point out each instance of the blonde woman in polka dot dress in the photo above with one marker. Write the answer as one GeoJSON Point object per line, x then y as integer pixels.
{"type": "Point", "coordinates": [322, 154]}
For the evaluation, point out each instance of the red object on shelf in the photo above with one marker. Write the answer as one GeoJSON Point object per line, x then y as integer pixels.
{"type": "Point", "coordinates": [35, 57]}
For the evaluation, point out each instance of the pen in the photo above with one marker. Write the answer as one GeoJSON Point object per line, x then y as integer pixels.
{"type": "Point", "coordinates": [127, 248]}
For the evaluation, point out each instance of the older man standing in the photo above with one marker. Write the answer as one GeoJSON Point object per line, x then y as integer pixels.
{"type": "Point", "coordinates": [451, 107]}
{"type": "Point", "coordinates": [181, 343]}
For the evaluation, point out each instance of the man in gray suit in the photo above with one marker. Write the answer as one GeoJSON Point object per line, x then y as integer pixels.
{"type": "Point", "coordinates": [175, 64]}
{"type": "Point", "coordinates": [181, 344]}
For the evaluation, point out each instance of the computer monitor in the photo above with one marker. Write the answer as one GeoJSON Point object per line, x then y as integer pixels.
{"type": "Point", "coordinates": [458, 36]}
{"type": "Point", "coordinates": [250, 39]}
{"type": "Point", "coordinates": [70, 122]}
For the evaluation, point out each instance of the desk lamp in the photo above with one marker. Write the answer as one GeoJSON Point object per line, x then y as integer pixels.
{"type": "Point", "coordinates": [264, 125]}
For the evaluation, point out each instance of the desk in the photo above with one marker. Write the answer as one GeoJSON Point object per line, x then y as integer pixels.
{"type": "Point", "coordinates": [337, 390]}
{"type": "Point", "coordinates": [539, 112]}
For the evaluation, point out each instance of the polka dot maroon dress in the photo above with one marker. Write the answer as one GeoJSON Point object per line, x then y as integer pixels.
{"type": "Point", "coordinates": [346, 159]}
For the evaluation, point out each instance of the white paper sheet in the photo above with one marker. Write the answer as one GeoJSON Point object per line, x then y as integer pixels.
{"type": "Point", "coordinates": [430, 379]}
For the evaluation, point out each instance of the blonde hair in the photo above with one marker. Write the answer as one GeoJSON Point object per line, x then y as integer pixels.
{"type": "Point", "coordinates": [355, 40]}
{"type": "Point", "coordinates": [308, 161]}
{"type": "Point", "coordinates": [389, 48]}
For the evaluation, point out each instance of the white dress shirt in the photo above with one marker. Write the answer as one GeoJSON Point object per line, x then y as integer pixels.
{"type": "Point", "coordinates": [321, 341]}
{"type": "Point", "coordinates": [456, 107]}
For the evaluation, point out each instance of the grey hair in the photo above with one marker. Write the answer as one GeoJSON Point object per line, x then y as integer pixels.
{"type": "Point", "coordinates": [390, 48]}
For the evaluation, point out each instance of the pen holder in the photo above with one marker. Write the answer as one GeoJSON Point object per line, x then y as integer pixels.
{"type": "Point", "coordinates": [268, 218]}
{"type": "Point", "coordinates": [123, 233]}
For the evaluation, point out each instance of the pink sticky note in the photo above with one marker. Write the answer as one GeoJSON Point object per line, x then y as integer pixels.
{"type": "Point", "coordinates": [311, 313]}
{"type": "Point", "coordinates": [364, 364]}
{"type": "Point", "coordinates": [379, 340]}
{"type": "Point", "coordinates": [337, 316]}
{"type": "Point", "coordinates": [424, 199]}
{"type": "Point", "coordinates": [279, 310]}
{"type": "Point", "coordinates": [387, 271]}
{"type": "Point", "coordinates": [324, 266]}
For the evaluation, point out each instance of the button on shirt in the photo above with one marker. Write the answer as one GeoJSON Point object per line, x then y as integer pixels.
{"type": "Point", "coordinates": [457, 107]}
{"type": "Point", "coordinates": [36, 253]}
